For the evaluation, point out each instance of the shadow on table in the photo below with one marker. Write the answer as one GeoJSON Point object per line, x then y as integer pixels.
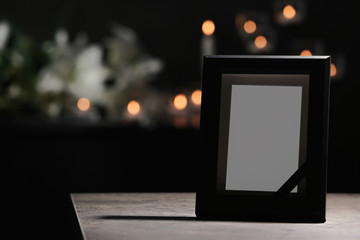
{"type": "Point", "coordinates": [152, 218]}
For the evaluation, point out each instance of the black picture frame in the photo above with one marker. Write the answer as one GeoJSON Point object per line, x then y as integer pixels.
{"type": "Point", "coordinates": [230, 86]}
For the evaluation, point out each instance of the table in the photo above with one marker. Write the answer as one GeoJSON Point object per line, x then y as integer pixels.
{"type": "Point", "coordinates": [161, 216]}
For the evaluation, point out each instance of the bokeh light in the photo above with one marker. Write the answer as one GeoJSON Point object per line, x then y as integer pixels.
{"type": "Point", "coordinates": [180, 102]}
{"type": "Point", "coordinates": [208, 27]}
{"type": "Point", "coordinates": [180, 122]}
{"type": "Point", "coordinates": [83, 104]}
{"type": "Point", "coordinates": [305, 52]}
{"type": "Point", "coordinates": [289, 12]}
{"type": "Point", "coordinates": [196, 97]}
{"type": "Point", "coordinates": [260, 42]}
{"type": "Point", "coordinates": [195, 120]}
{"type": "Point", "coordinates": [333, 70]}
{"type": "Point", "coordinates": [133, 107]}
{"type": "Point", "coordinates": [250, 26]}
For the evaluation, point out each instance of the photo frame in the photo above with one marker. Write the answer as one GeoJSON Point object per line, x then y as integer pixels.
{"type": "Point", "coordinates": [264, 125]}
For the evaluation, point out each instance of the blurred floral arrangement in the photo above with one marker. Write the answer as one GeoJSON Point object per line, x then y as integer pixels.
{"type": "Point", "coordinates": [64, 79]}
{"type": "Point", "coordinates": [110, 81]}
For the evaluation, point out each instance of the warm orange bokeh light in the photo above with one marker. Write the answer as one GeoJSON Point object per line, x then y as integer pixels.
{"type": "Point", "coordinates": [83, 104]}
{"type": "Point", "coordinates": [208, 27]}
{"type": "Point", "coordinates": [196, 97]}
{"type": "Point", "coordinates": [333, 70]}
{"type": "Point", "coordinates": [289, 12]}
{"type": "Point", "coordinates": [180, 102]}
{"type": "Point", "coordinates": [250, 26]}
{"type": "Point", "coordinates": [305, 52]}
{"type": "Point", "coordinates": [195, 120]}
{"type": "Point", "coordinates": [180, 122]}
{"type": "Point", "coordinates": [239, 20]}
{"type": "Point", "coordinates": [260, 41]}
{"type": "Point", "coordinates": [133, 107]}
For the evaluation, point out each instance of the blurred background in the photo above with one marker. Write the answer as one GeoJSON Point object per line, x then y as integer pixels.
{"type": "Point", "coordinates": [105, 95]}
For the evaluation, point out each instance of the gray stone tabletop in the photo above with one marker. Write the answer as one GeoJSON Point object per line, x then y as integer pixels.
{"type": "Point", "coordinates": [159, 216]}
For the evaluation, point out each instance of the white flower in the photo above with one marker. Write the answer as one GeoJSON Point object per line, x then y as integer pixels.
{"type": "Point", "coordinates": [79, 69]}
{"type": "Point", "coordinates": [49, 82]}
{"type": "Point", "coordinates": [4, 34]}
{"type": "Point", "coordinates": [53, 110]}
{"type": "Point", "coordinates": [17, 60]}
{"type": "Point", "coordinates": [61, 38]}
{"type": "Point", "coordinates": [89, 58]}
{"type": "Point", "coordinates": [129, 65]}
{"type": "Point", "coordinates": [90, 74]}
{"type": "Point", "coordinates": [151, 66]}
{"type": "Point", "coordinates": [14, 91]}
{"type": "Point", "coordinates": [124, 34]}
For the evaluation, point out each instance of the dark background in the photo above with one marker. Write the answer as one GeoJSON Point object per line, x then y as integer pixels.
{"type": "Point", "coordinates": [48, 160]}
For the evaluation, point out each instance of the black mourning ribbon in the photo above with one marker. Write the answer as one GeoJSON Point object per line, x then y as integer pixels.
{"type": "Point", "coordinates": [294, 180]}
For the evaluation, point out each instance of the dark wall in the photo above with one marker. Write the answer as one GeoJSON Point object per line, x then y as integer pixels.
{"type": "Point", "coordinates": [102, 158]}
{"type": "Point", "coordinates": [98, 158]}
